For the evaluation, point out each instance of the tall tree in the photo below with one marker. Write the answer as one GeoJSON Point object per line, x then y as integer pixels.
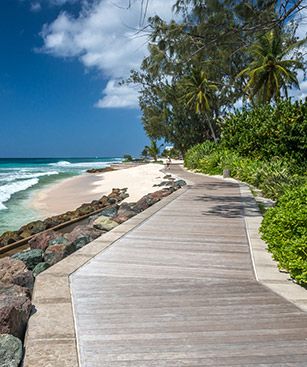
{"type": "Point", "coordinates": [199, 93]}
{"type": "Point", "coordinates": [273, 68]}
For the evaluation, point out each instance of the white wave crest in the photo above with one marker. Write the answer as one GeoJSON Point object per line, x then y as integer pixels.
{"type": "Point", "coordinates": [24, 175]}
{"type": "Point", "coordinates": [6, 191]}
{"type": "Point", "coordinates": [60, 164]}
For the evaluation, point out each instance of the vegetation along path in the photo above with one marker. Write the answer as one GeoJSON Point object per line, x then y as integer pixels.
{"type": "Point", "coordinates": [179, 290]}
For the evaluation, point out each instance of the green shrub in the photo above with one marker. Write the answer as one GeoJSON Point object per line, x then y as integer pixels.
{"type": "Point", "coordinates": [196, 153]}
{"type": "Point", "coordinates": [268, 131]}
{"type": "Point", "coordinates": [284, 228]}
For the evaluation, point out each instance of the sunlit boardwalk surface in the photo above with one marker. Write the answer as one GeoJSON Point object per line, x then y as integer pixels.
{"type": "Point", "coordinates": [179, 290]}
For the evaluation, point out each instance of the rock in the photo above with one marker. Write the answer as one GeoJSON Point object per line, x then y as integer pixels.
{"type": "Point", "coordinates": [119, 194]}
{"type": "Point", "coordinates": [42, 240]}
{"type": "Point", "coordinates": [104, 223]}
{"type": "Point", "coordinates": [110, 211]}
{"type": "Point", "coordinates": [125, 212]}
{"type": "Point", "coordinates": [30, 257]}
{"type": "Point", "coordinates": [145, 202]}
{"type": "Point", "coordinates": [166, 177]}
{"type": "Point", "coordinates": [58, 250]}
{"type": "Point", "coordinates": [10, 351]}
{"type": "Point", "coordinates": [52, 222]}
{"type": "Point", "coordinates": [82, 235]}
{"type": "Point", "coordinates": [40, 268]}
{"type": "Point", "coordinates": [100, 170]}
{"type": "Point", "coordinates": [9, 237]}
{"type": "Point", "coordinates": [13, 271]}
{"type": "Point", "coordinates": [32, 228]}
{"type": "Point", "coordinates": [180, 183]}
{"type": "Point", "coordinates": [15, 308]}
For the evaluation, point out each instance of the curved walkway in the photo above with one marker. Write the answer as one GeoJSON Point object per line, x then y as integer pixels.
{"type": "Point", "coordinates": [179, 290]}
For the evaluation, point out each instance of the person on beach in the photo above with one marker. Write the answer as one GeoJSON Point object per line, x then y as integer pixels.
{"type": "Point", "coordinates": [168, 162]}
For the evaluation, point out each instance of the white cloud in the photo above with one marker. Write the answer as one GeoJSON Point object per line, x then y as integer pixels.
{"type": "Point", "coordinates": [118, 96]}
{"type": "Point", "coordinates": [104, 36]}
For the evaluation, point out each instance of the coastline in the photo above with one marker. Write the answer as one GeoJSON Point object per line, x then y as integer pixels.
{"type": "Point", "coordinates": [72, 192]}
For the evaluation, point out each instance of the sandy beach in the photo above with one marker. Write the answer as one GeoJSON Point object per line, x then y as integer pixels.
{"type": "Point", "coordinates": [70, 193]}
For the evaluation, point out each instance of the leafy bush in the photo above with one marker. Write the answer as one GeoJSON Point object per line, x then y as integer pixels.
{"type": "Point", "coordinates": [273, 177]}
{"type": "Point", "coordinates": [268, 131]}
{"type": "Point", "coordinates": [196, 153]}
{"type": "Point", "coordinates": [284, 228]}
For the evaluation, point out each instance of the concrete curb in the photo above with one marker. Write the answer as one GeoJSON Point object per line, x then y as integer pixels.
{"type": "Point", "coordinates": [265, 268]}
{"type": "Point", "coordinates": [50, 338]}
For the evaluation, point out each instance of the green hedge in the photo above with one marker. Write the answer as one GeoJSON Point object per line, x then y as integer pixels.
{"type": "Point", "coordinates": [284, 229]}
{"type": "Point", "coordinates": [273, 177]}
{"type": "Point", "coordinates": [268, 131]}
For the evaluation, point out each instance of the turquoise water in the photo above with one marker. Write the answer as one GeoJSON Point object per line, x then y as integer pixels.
{"type": "Point", "coordinates": [21, 176]}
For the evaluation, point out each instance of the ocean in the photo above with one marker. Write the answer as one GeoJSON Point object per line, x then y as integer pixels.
{"type": "Point", "coordinates": [20, 177]}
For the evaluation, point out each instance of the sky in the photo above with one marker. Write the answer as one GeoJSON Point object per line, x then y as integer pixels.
{"type": "Point", "coordinates": [60, 66]}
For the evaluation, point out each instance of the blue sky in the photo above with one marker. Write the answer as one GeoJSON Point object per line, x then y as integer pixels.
{"type": "Point", "coordinates": [56, 98]}
{"type": "Point", "coordinates": [60, 65]}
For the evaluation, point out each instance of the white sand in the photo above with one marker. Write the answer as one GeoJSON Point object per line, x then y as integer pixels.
{"type": "Point", "coordinates": [71, 193]}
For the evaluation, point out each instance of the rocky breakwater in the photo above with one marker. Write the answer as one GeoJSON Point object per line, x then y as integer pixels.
{"type": "Point", "coordinates": [18, 272]}
{"type": "Point", "coordinates": [38, 226]}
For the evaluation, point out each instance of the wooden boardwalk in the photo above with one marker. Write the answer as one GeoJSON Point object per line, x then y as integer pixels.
{"type": "Point", "coordinates": [179, 290]}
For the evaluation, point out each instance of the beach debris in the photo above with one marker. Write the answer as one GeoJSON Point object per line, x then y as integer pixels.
{"type": "Point", "coordinates": [13, 271]}
{"type": "Point", "coordinates": [40, 268]}
{"type": "Point", "coordinates": [10, 350]}
{"type": "Point", "coordinates": [104, 223]}
{"type": "Point", "coordinates": [42, 240]}
{"type": "Point", "coordinates": [15, 308]}
{"type": "Point", "coordinates": [30, 257]}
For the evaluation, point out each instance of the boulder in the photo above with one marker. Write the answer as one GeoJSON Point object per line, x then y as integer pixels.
{"type": "Point", "coordinates": [13, 271]}
{"type": "Point", "coordinates": [58, 251]}
{"type": "Point", "coordinates": [52, 222]}
{"type": "Point", "coordinates": [125, 212]}
{"type": "Point", "coordinates": [10, 351]}
{"type": "Point", "coordinates": [42, 240]}
{"type": "Point", "coordinates": [110, 211]}
{"type": "Point", "coordinates": [104, 223]}
{"type": "Point", "coordinates": [30, 257]}
{"type": "Point", "coordinates": [82, 235]}
{"type": "Point", "coordinates": [118, 194]}
{"type": "Point", "coordinates": [9, 237]}
{"type": "Point", "coordinates": [15, 308]}
{"type": "Point", "coordinates": [179, 183]}
{"type": "Point", "coordinates": [145, 202]}
{"type": "Point", "coordinates": [32, 228]}
{"type": "Point", "coordinates": [40, 268]}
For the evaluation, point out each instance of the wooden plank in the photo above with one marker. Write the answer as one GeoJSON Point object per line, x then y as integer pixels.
{"type": "Point", "coordinates": [179, 290]}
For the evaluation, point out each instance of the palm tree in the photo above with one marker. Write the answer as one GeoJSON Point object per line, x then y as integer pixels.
{"type": "Point", "coordinates": [198, 92]}
{"type": "Point", "coordinates": [153, 149]}
{"type": "Point", "coordinates": [271, 69]}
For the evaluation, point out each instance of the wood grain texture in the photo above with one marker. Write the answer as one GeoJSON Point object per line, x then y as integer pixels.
{"type": "Point", "coordinates": [179, 290]}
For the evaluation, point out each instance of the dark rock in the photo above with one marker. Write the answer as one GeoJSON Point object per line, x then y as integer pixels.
{"type": "Point", "coordinates": [145, 202]}
{"type": "Point", "coordinates": [180, 183]}
{"type": "Point", "coordinates": [58, 250]}
{"type": "Point", "coordinates": [10, 351]}
{"type": "Point", "coordinates": [166, 177]}
{"type": "Point", "coordinates": [15, 308]}
{"type": "Point", "coordinates": [110, 211]}
{"type": "Point", "coordinates": [14, 271]}
{"type": "Point", "coordinates": [82, 235]}
{"type": "Point", "coordinates": [104, 223]}
{"type": "Point", "coordinates": [42, 240]}
{"type": "Point", "coordinates": [32, 228]}
{"type": "Point", "coordinates": [9, 237]}
{"type": "Point", "coordinates": [40, 268]}
{"type": "Point", "coordinates": [125, 212]}
{"type": "Point", "coordinates": [100, 170]}
{"type": "Point", "coordinates": [52, 222]}
{"type": "Point", "coordinates": [118, 194]}
{"type": "Point", "coordinates": [30, 257]}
